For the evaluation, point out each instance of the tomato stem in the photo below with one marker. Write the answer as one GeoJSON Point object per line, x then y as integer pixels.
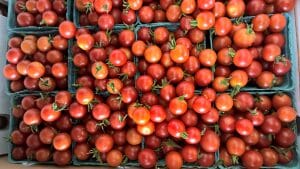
{"type": "Point", "coordinates": [253, 112]}
{"type": "Point", "coordinates": [88, 7]}
{"type": "Point", "coordinates": [194, 23]}
{"type": "Point", "coordinates": [235, 159]}
{"type": "Point", "coordinates": [235, 90]}
{"type": "Point", "coordinates": [231, 52]}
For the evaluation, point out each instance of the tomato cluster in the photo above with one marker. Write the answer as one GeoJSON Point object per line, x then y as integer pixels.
{"type": "Point", "coordinates": [149, 92]}
{"type": "Point", "coordinates": [42, 128]}
{"type": "Point", "coordinates": [40, 12]}
{"type": "Point", "coordinates": [36, 62]}
{"type": "Point", "coordinates": [105, 62]}
{"type": "Point", "coordinates": [261, 133]}
{"type": "Point", "coordinates": [255, 51]}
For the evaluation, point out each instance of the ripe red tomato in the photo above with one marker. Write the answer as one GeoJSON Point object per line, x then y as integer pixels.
{"type": "Point", "coordinates": [147, 158]}
{"type": "Point", "coordinates": [84, 95]}
{"type": "Point", "coordinates": [152, 54]}
{"type": "Point", "coordinates": [32, 117]}
{"type": "Point", "coordinates": [176, 128]}
{"type": "Point", "coordinates": [206, 4]}
{"type": "Point", "coordinates": [85, 41]}
{"type": "Point", "coordinates": [50, 113]}
{"type": "Point", "coordinates": [193, 135]}
{"type": "Point", "coordinates": [178, 105]}
{"type": "Point", "coordinates": [174, 160]}
{"type": "Point", "coordinates": [201, 105]}
{"type": "Point", "coordinates": [286, 114]}
{"type": "Point", "coordinates": [210, 141]}
{"type": "Point", "coordinates": [235, 8]}
{"type": "Point", "coordinates": [104, 143]}
{"type": "Point", "coordinates": [242, 58]}
{"type": "Point", "coordinates": [204, 20]}
{"type": "Point", "coordinates": [146, 129]}
{"type": "Point", "coordinates": [224, 102]}
{"type": "Point", "coordinates": [188, 6]}
{"type": "Point", "coordinates": [67, 29]}
{"type": "Point", "coordinates": [223, 26]}
{"type": "Point", "coordinates": [62, 141]}
{"type": "Point", "coordinates": [77, 110]}
{"type": "Point", "coordinates": [207, 57]}
{"type": "Point", "coordinates": [235, 146]}
{"type": "Point", "coordinates": [179, 54]}
{"type": "Point", "coordinates": [244, 127]}
{"type": "Point", "coordinates": [141, 115]}
{"type": "Point", "coordinates": [102, 6]}
{"type": "Point", "coordinates": [244, 37]}
{"type": "Point", "coordinates": [157, 114]}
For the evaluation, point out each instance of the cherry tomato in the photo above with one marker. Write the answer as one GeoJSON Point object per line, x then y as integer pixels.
{"type": "Point", "coordinates": [62, 141]}
{"type": "Point", "coordinates": [67, 29]}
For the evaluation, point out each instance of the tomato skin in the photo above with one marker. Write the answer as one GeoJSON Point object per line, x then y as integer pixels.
{"type": "Point", "coordinates": [81, 151]}
{"type": "Point", "coordinates": [67, 29]}
{"type": "Point", "coordinates": [14, 55]}
{"type": "Point", "coordinates": [271, 125]}
{"type": "Point", "coordinates": [235, 146]}
{"type": "Point", "coordinates": [256, 117]}
{"type": "Point", "coordinates": [176, 128]}
{"type": "Point", "coordinates": [10, 72]}
{"type": "Point", "coordinates": [179, 54]}
{"type": "Point", "coordinates": [277, 23]}
{"type": "Point", "coordinates": [285, 138]}
{"type": "Point", "coordinates": [157, 113]}
{"type": "Point", "coordinates": [144, 83]}
{"type": "Point", "coordinates": [286, 114]}
{"type": "Point", "coordinates": [32, 117]}
{"type": "Point", "coordinates": [281, 100]}
{"type": "Point", "coordinates": [49, 114]}
{"type": "Point", "coordinates": [194, 135]}
{"type": "Point", "coordinates": [244, 127]}
{"type": "Point", "coordinates": [281, 67]}
{"type": "Point", "coordinates": [235, 8]}
{"type": "Point", "coordinates": [173, 160]}
{"type": "Point", "coordinates": [201, 105]}
{"type": "Point", "coordinates": [206, 4]}
{"type": "Point", "coordinates": [173, 13]}
{"type": "Point", "coordinates": [79, 134]}
{"type": "Point", "coordinates": [223, 26]}
{"type": "Point", "coordinates": [178, 106]}
{"type": "Point", "coordinates": [62, 158]}
{"type": "Point", "coordinates": [85, 41]}
{"type": "Point", "coordinates": [242, 58]}
{"type": "Point", "coordinates": [102, 6]}
{"type": "Point", "coordinates": [244, 37]}
{"type": "Point", "coordinates": [210, 141]}
{"type": "Point", "coordinates": [141, 115]}
{"type": "Point", "coordinates": [252, 159]}
{"type": "Point", "coordinates": [189, 153]}
{"type": "Point", "coordinates": [153, 54]}
{"type": "Point", "coordinates": [104, 143]}
{"type": "Point", "coordinates": [205, 20]}
{"type": "Point", "coordinates": [77, 110]}
{"type": "Point", "coordinates": [100, 111]}
{"type": "Point", "coordinates": [207, 57]}
{"type": "Point", "coordinates": [204, 77]}
{"type": "Point", "coordinates": [270, 156]}
{"type": "Point", "coordinates": [84, 95]}
{"type": "Point", "coordinates": [224, 102]}
{"type": "Point", "coordinates": [62, 141]}
{"type": "Point", "coordinates": [146, 129]}
{"type": "Point", "coordinates": [147, 158]}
